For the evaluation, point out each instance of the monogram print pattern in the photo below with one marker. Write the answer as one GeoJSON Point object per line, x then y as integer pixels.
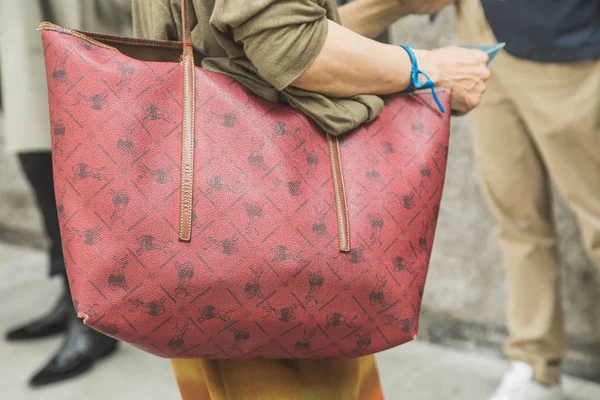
{"type": "Point", "coordinates": [262, 275]}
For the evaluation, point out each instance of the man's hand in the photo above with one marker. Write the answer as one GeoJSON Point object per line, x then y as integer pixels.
{"type": "Point", "coordinates": [422, 6]}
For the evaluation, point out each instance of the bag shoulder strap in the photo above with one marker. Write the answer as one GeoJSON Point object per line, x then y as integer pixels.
{"type": "Point", "coordinates": [187, 134]}
{"type": "Point", "coordinates": [187, 149]}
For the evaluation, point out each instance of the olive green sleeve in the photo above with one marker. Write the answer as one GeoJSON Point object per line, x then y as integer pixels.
{"type": "Point", "coordinates": [281, 38]}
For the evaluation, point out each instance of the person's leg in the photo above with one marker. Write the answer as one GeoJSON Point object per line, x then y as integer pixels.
{"type": "Point", "coordinates": [38, 170]}
{"type": "Point", "coordinates": [37, 167]}
{"type": "Point", "coordinates": [516, 187]}
{"type": "Point", "coordinates": [246, 379]}
{"type": "Point", "coordinates": [515, 184]}
{"type": "Point", "coordinates": [563, 109]}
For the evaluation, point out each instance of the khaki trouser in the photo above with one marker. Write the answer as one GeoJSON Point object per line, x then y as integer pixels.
{"type": "Point", "coordinates": [536, 121]}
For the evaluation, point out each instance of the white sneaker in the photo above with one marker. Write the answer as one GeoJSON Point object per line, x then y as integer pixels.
{"type": "Point", "coordinates": [518, 384]}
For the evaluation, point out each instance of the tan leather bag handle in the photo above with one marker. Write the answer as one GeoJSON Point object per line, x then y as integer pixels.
{"type": "Point", "coordinates": [187, 149]}
{"type": "Point", "coordinates": [187, 134]}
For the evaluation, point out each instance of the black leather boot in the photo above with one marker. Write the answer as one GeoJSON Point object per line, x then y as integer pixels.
{"type": "Point", "coordinates": [37, 167]}
{"type": "Point", "coordinates": [82, 347]}
{"type": "Point", "coordinates": [55, 321]}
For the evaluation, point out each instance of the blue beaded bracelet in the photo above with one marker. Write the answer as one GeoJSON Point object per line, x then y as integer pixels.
{"type": "Point", "coordinates": [414, 75]}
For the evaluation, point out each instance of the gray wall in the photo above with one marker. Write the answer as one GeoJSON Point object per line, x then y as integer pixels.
{"type": "Point", "coordinates": [465, 294]}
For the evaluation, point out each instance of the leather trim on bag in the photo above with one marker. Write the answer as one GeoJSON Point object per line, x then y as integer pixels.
{"type": "Point", "coordinates": [139, 49]}
{"type": "Point", "coordinates": [339, 190]}
{"type": "Point", "coordinates": [436, 89]}
{"type": "Point", "coordinates": [165, 44]}
{"type": "Point", "coordinates": [187, 137]}
{"type": "Point", "coordinates": [48, 26]}
{"type": "Point", "coordinates": [100, 38]}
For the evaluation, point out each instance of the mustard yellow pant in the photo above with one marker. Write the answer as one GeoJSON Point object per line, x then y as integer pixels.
{"type": "Point", "coordinates": [353, 379]}
{"type": "Point", "coordinates": [537, 122]}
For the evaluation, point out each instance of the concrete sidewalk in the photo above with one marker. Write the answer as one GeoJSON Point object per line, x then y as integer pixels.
{"type": "Point", "coordinates": [416, 371]}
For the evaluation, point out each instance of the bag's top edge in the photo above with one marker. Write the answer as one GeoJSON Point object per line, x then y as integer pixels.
{"type": "Point", "coordinates": [102, 39]}
{"type": "Point", "coordinates": [49, 26]}
{"type": "Point", "coordinates": [436, 89]}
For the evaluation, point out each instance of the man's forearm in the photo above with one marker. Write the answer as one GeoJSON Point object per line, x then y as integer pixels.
{"type": "Point", "coordinates": [350, 64]}
{"type": "Point", "coordinates": [370, 17]}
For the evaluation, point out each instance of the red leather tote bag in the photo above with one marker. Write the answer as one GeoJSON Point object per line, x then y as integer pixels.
{"type": "Point", "coordinates": [201, 221]}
